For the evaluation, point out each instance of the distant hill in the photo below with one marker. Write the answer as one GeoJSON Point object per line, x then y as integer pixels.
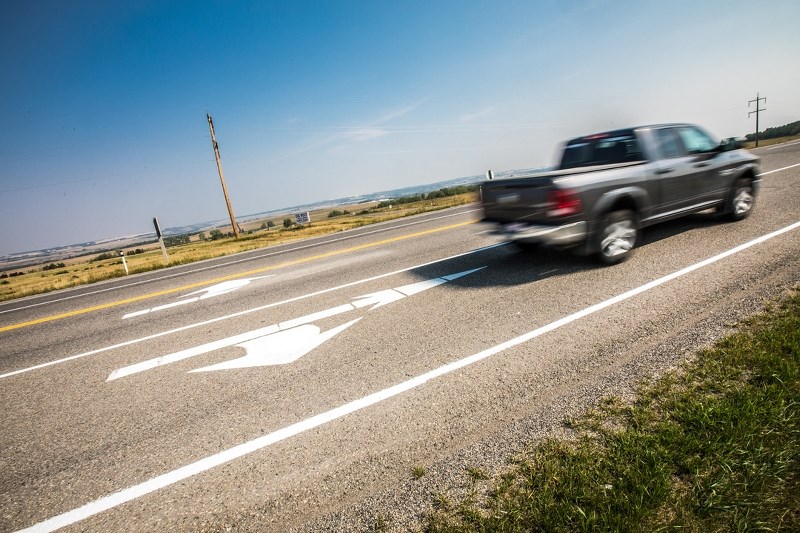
{"type": "Point", "coordinates": [786, 130]}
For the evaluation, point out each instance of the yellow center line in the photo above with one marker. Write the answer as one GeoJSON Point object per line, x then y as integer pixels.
{"type": "Point", "coordinates": [226, 278]}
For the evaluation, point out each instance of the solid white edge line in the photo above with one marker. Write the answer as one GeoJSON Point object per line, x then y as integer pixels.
{"type": "Point", "coordinates": [246, 311]}
{"type": "Point", "coordinates": [781, 145]}
{"type": "Point", "coordinates": [779, 169]}
{"type": "Point", "coordinates": [170, 478]}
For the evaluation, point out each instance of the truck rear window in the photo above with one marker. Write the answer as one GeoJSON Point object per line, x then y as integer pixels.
{"type": "Point", "coordinates": [601, 149]}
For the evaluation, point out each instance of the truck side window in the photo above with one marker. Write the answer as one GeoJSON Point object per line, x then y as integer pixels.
{"type": "Point", "coordinates": [696, 141]}
{"type": "Point", "coordinates": [667, 143]}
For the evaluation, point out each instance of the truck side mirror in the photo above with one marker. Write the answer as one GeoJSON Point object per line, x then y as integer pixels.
{"type": "Point", "coordinates": [731, 143]}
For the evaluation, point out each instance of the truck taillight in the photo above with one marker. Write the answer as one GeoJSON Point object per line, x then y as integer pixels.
{"type": "Point", "coordinates": [563, 202]}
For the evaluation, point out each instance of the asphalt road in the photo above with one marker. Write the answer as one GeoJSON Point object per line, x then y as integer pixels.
{"type": "Point", "coordinates": [297, 386]}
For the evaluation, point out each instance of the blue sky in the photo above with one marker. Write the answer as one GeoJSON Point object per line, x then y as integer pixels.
{"type": "Point", "coordinates": [103, 103]}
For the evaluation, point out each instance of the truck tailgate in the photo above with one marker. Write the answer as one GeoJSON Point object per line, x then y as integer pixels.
{"type": "Point", "coordinates": [516, 200]}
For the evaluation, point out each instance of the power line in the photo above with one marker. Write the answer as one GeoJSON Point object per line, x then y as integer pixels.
{"type": "Point", "coordinates": [757, 111]}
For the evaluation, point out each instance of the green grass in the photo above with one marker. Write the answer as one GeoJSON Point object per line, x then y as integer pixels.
{"type": "Point", "coordinates": [713, 446]}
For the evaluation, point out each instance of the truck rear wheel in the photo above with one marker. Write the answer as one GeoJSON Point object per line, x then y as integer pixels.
{"type": "Point", "coordinates": [618, 236]}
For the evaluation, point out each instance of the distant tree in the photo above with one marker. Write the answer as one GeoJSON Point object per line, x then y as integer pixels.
{"type": "Point", "coordinates": [216, 234]}
{"type": "Point", "coordinates": [175, 240]}
{"type": "Point", "coordinates": [270, 224]}
{"type": "Point", "coordinates": [787, 130]}
{"type": "Point", "coordinates": [287, 223]}
{"type": "Point", "coordinates": [263, 225]}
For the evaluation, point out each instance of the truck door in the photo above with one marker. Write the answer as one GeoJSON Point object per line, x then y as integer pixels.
{"type": "Point", "coordinates": [709, 176]}
{"type": "Point", "coordinates": [674, 173]}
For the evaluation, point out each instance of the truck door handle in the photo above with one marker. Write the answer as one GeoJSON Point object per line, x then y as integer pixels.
{"type": "Point", "coordinates": [665, 170]}
{"type": "Point", "coordinates": [699, 165]}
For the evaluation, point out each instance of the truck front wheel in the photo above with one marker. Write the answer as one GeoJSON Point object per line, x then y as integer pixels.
{"type": "Point", "coordinates": [741, 200]}
{"type": "Point", "coordinates": [617, 237]}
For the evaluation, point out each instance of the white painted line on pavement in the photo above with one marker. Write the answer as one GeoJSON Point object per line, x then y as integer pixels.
{"type": "Point", "coordinates": [190, 470]}
{"type": "Point", "coordinates": [783, 144]}
{"type": "Point", "coordinates": [779, 169]}
{"type": "Point", "coordinates": [240, 313]}
{"type": "Point", "coordinates": [376, 299]}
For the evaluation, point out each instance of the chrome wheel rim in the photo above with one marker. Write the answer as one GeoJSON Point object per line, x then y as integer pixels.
{"type": "Point", "coordinates": [618, 238]}
{"type": "Point", "coordinates": [743, 201]}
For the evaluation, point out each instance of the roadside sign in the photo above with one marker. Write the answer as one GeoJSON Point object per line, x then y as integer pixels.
{"type": "Point", "coordinates": [302, 218]}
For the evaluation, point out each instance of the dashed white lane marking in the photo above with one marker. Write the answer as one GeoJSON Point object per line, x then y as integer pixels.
{"type": "Point", "coordinates": [190, 470]}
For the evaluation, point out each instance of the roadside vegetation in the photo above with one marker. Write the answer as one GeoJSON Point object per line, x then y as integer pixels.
{"type": "Point", "coordinates": [183, 249]}
{"type": "Point", "coordinates": [712, 446]}
{"type": "Point", "coordinates": [787, 132]}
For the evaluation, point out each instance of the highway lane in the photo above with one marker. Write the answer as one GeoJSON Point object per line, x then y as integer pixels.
{"type": "Point", "coordinates": [349, 319]}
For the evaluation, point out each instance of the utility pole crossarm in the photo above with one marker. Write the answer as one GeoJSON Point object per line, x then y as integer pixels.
{"type": "Point", "coordinates": [222, 176]}
{"type": "Point", "coordinates": [757, 101]}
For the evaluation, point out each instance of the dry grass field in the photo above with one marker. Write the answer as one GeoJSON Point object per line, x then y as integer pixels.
{"type": "Point", "coordinates": [88, 269]}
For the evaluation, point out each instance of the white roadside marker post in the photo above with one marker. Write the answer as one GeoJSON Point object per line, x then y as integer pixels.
{"type": "Point", "coordinates": [124, 263]}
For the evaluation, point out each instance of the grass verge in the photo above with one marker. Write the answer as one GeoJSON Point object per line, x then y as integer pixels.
{"type": "Point", "coordinates": [712, 446]}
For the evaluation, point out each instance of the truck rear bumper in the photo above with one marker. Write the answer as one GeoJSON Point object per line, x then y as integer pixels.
{"type": "Point", "coordinates": [566, 235]}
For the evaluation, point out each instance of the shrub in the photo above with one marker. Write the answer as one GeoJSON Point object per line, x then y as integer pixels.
{"type": "Point", "coordinates": [104, 256]}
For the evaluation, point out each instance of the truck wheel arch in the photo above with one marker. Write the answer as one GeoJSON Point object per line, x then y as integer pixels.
{"type": "Point", "coordinates": [629, 198]}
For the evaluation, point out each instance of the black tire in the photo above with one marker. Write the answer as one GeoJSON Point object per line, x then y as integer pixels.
{"type": "Point", "coordinates": [618, 235]}
{"type": "Point", "coordinates": [740, 201]}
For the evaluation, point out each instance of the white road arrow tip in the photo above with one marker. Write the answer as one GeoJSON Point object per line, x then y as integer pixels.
{"type": "Point", "coordinates": [279, 348]}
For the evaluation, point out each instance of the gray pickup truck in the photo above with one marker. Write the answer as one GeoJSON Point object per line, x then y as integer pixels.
{"type": "Point", "coordinates": [610, 185]}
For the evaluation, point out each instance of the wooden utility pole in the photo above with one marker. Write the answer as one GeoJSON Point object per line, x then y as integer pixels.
{"type": "Point", "coordinates": [222, 176]}
{"type": "Point", "coordinates": [757, 111]}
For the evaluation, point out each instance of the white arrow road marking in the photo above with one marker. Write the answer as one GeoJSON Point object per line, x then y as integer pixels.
{"type": "Point", "coordinates": [209, 292]}
{"type": "Point", "coordinates": [280, 348]}
{"type": "Point", "coordinates": [376, 299]}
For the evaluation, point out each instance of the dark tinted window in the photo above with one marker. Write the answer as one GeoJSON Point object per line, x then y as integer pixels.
{"type": "Point", "coordinates": [668, 145]}
{"type": "Point", "coordinates": [601, 149]}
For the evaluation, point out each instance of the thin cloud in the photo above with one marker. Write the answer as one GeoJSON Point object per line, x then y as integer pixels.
{"type": "Point", "coordinates": [474, 116]}
{"type": "Point", "coordinates": [364, 134]}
